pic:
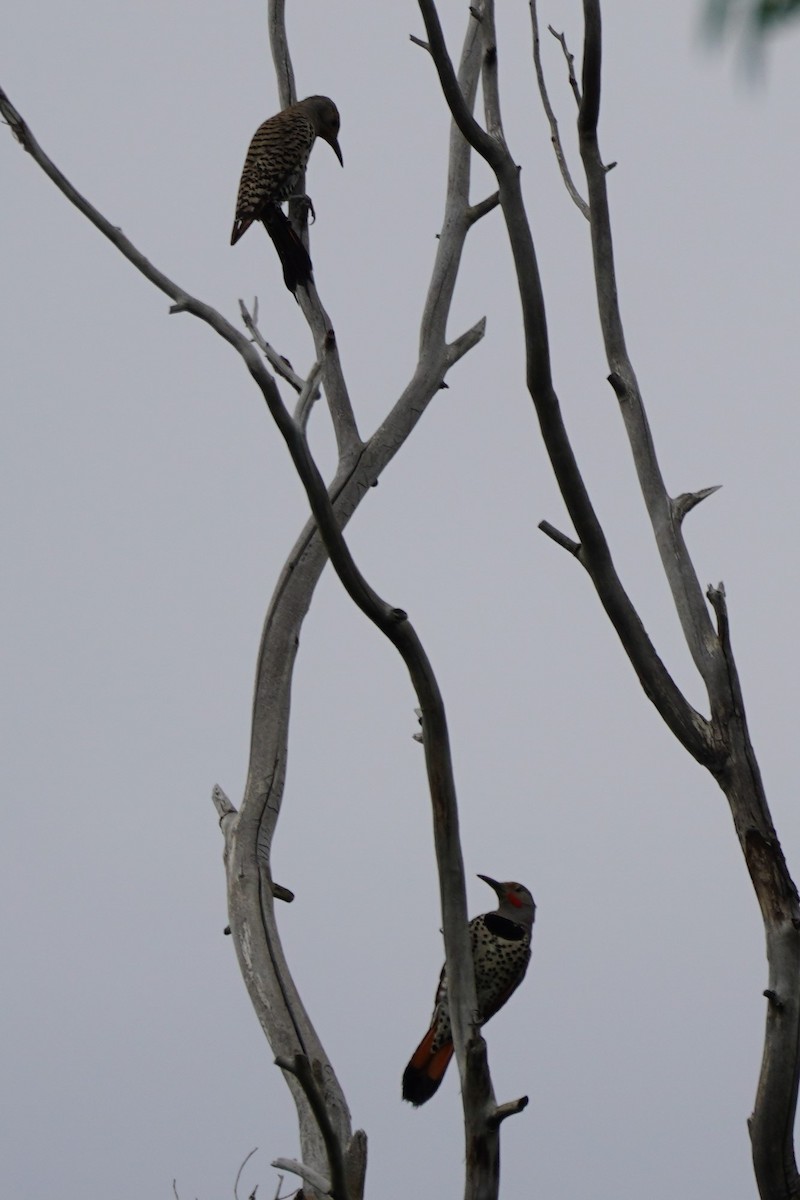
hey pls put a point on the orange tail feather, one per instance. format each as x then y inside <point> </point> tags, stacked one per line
<point>426,1069</point>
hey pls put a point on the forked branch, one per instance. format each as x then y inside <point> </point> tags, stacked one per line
<point>248,833</point>
<point>678,568</point>
<point>688,725</point>
<point>555,135</point>
<point>772,1123</point>
<point>723,743</point>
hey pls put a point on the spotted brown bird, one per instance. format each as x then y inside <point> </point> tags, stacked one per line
<point>501,951</point>
<point>275,160</point>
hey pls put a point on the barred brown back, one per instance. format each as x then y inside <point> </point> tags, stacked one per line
<point>275,161</point>
<point>277,157</point>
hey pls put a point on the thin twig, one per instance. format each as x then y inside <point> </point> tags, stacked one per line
<point>509,1109</point>
<point>280,365</point>
<point>555,136</point>
<point>560,538</point>
<point>573,82</point>
<point>684,503</point>
<point>239,1172</point>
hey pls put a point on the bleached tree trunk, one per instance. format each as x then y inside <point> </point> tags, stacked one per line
<point>334,1157</point>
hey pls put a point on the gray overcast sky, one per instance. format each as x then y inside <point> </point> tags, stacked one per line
<point>148,505</point>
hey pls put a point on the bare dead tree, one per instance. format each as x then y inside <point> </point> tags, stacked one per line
<point>333,1154</point>
<point>720,742</point>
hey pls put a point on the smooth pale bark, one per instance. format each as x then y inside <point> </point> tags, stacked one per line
<point>331,1151</point>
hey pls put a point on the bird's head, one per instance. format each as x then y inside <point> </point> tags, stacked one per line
<point>515,901</point>
<point>325,115</point>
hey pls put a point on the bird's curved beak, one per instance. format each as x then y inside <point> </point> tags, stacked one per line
<point>498,887</point>
<point>334,144</point>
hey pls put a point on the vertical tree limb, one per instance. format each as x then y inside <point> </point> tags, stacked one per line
<point>248,833</point>
<point>681,576</point>
<point>689,726</point>
<point>293,593</point>
<point>723,743</point>
<point>555,135</point>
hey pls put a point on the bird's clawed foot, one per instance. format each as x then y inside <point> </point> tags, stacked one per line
<point>306,208</point>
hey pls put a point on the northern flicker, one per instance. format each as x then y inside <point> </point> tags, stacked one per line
<point>275,160</point>
<point>501,951</point>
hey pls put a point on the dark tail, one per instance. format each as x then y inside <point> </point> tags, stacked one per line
<point>291,251</point>
<point>425,1072</point>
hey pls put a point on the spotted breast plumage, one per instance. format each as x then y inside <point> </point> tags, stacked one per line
<point>501,951</point>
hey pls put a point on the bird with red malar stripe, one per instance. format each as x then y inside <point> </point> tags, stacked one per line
<point>501,951</point>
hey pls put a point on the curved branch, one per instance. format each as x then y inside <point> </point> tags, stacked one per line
<point>280,1010</point>
<point>291,600</point>
<point>510,1109</point>
<point>300,1068</point>
<point>394,624</point>
<point>248,833</point>
<point>689,726</point>
<point>771,1125</point>
<point>245,1161</point>
<point>684,584</point>
<point>457,102</point>
<point>569,58</point>
<point>459,215</point>
<point>348,441</point>
<point>183,301</point>
<point>319,1182</point>
<point>281,58</point>
<point>280,365</point>
<point>724,743</point>
<point>555,136</point>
